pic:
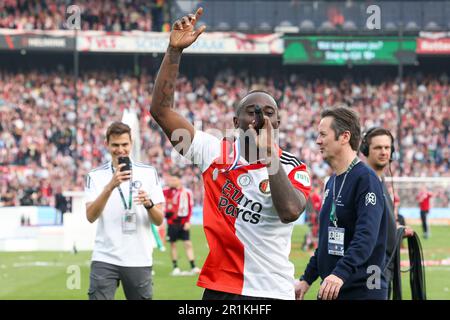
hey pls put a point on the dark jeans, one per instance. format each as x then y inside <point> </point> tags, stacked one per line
<point>423,217</point>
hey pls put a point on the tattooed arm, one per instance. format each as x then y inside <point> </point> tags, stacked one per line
<point>182,36</point>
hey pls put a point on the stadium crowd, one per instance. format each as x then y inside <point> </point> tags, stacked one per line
<point>106,15</point>
<point>40,151</point>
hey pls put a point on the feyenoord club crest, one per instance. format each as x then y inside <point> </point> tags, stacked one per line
<point>264,186</point>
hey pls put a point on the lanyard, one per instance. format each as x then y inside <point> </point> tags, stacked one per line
<point>333,216</point>
<point>234,165</point>
<point>236,155</point>
<point>121,193</point>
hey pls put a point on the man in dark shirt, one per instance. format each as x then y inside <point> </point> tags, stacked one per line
<point>378,147</point>
<point>353,220</point>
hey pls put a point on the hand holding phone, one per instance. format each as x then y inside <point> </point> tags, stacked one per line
<point>122,174</point>
<point>126,161</point>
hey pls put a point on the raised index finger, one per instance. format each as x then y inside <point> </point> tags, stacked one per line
<point>198,13</point>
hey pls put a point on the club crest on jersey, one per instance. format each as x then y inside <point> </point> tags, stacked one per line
<point>264,186</point>
<point>244,180</point>
<point>136,184</point>
<point>303,178</point>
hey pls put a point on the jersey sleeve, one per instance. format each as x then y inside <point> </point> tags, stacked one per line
<point>190,204</point>
<point>300,179</point>
<point>90,192</point>
<point>203,150</point>
<point>156,191</point>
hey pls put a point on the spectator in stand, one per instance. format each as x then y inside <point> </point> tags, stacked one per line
<point>107,15</point>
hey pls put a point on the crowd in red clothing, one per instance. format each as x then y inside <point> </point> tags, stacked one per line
<point>41,151</point>
<point>105,15</point>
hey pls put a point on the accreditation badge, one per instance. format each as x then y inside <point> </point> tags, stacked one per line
<point>336,241</point>
<point>129,222</point>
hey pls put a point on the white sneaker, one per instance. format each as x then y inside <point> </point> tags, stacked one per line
<point>176,272</point>
<point>195,270</point>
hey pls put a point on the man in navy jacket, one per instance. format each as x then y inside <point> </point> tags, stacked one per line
<point>351,255</point>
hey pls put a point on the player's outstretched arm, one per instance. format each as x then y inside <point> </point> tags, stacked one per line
<point>183,34</point>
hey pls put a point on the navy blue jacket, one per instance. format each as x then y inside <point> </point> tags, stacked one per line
<point>361,210</point>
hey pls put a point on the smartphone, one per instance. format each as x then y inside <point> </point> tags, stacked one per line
<point>259,118</point>
<point>127,166</point>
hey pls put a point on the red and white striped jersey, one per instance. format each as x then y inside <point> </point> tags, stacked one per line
<point>179,203</point>
<point>249,245</point>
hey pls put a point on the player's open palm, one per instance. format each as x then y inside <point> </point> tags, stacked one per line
<point>183,32</point>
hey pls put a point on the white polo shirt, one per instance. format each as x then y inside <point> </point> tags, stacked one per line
<point>111,244</point>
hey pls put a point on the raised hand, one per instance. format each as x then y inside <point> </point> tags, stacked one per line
<point>183,32</point>
<point>265,139</point>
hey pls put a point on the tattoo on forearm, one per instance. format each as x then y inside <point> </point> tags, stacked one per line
<point>166,79</point>
<point>174,56</point>
<point>166,94</point>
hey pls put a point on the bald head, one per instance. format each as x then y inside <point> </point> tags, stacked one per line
<point>254,98</point>
<point>245,110</point>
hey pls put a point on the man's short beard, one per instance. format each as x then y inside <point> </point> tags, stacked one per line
<point>380,166</point>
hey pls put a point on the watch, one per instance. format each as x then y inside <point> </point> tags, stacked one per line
<point>149,207</point>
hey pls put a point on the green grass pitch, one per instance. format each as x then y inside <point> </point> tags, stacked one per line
<point>46,275</point>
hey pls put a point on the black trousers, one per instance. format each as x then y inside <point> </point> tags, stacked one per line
<point>423,217</point>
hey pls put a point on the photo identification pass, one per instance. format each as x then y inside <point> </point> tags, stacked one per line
<point>336,241</point>
<point>129,222</point>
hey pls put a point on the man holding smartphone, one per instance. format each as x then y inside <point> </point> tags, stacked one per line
<point>125,197</point>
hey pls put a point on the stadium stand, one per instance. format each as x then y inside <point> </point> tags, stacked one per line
<point>246,16</point>
<point>37,138</point>
<point>122,15</point>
